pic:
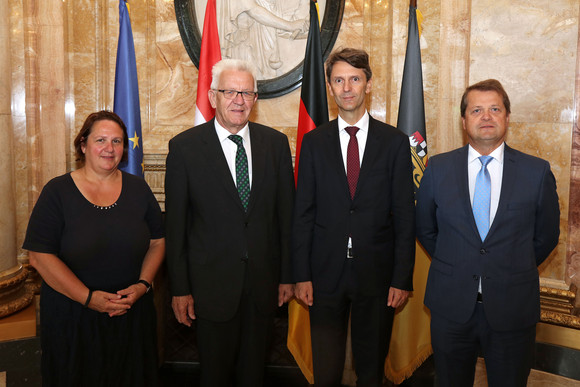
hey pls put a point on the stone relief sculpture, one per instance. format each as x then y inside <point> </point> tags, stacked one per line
<point>251,29</point>
<point>271,34</point>
<point>268,33</point>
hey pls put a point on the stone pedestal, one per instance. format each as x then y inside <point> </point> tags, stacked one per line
<point>14,293</point>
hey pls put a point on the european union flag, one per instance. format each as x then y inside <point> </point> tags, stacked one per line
<point>126,103</point>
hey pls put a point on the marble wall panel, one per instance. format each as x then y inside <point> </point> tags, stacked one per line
<point>175,79</point>
<point>431,61</point>
<point>63,63</point>
<point>18,110</point>
<point>378,31</point>
<point>7,201</point>
<point>453,72</point>
<point>23,207</point>
<point>143,23</point>
<point>42,29</point>
<point>549,141</point>
<point>573,248</point>
<point>531,48</point>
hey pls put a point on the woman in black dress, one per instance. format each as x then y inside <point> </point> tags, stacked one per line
<point>96,238</point>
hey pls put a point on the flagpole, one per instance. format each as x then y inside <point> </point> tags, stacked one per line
<point>413,3</point>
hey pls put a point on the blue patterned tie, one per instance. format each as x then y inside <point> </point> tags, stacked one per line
<point>242,176</point>
<point>482,197</point>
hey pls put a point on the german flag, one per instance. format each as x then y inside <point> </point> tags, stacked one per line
<point>313,104</point>
<point>313,112</point>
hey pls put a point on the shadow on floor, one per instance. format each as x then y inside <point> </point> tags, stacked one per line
<point>188,375</point>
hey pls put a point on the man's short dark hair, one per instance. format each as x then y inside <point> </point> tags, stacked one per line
<point>354,57</point>
<point>487,85</point>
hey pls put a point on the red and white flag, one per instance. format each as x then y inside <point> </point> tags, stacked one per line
<point>209,55</point>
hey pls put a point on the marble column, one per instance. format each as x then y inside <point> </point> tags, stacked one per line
<point>14,295</point>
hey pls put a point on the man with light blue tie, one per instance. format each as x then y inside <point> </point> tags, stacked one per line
<point>488,215</point>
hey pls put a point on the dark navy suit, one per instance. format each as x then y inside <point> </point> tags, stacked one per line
<point>523,233</point>
<point>380,221</point>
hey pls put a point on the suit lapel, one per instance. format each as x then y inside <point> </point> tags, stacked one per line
<point>335,153</point>
<point>371,152</point>
<point>463,186</point>
<point>259,147</point>
<point>214,154</point>
<point>508,182</point>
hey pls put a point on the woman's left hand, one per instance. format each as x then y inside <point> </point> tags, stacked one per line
<point>129,296</point>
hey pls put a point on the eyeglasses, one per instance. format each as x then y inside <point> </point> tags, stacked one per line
<point>232,94</point>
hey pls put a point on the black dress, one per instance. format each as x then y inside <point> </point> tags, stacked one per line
<point>104,247</point>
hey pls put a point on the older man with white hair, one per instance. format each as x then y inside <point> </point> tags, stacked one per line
<point>229,194</point>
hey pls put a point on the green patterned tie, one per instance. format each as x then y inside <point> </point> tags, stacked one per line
<point>242,176</point>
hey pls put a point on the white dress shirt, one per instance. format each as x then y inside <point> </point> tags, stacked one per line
<point>361,136</point>
<point>230,148</point>
<point>495,169</point>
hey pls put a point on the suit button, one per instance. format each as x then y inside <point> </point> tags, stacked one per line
<point>483,251</point>
<point>351,211</point>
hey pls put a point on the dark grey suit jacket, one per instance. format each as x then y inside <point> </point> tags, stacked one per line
<point>380,219</point>
<point>524,232</point>
<point>209,235</point>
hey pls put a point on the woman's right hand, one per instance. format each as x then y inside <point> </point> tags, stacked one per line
<point>102,302</point>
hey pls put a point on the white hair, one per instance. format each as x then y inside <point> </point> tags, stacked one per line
<point>231,64</point>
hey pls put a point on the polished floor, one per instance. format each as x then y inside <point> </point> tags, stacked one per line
<point>423,377</point>
<point>286,377</point>
<point>275,377</point>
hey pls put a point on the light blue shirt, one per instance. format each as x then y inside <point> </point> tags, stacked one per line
<point>495,169</point>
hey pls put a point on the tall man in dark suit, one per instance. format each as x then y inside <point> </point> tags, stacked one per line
<point>229,196</point>
<point>488,215</point>
<point>353,234</point>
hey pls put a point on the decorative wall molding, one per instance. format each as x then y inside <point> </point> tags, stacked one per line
<point>557,306</point>
<point>15,295</point>
<point>155,175</point>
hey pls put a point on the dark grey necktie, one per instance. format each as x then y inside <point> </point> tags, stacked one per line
<point>242,175</point>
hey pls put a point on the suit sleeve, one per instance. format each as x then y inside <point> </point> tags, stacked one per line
<point>176,210</point>
<point>285,203</point>
<point>427,229</point>
<point>304,214</point>
<point>403,210</point>
<point>547,227</point>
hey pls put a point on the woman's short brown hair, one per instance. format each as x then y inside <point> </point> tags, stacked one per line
<point>103,115</point>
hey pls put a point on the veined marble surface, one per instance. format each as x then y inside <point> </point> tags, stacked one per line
<point>62,61</point>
